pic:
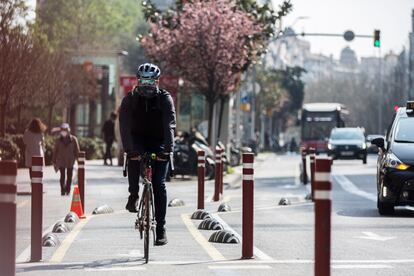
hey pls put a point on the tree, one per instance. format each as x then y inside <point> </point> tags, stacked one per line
<point>209,43</point>
<point>17,54</point>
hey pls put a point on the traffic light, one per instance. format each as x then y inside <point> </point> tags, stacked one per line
<point>377,40</point>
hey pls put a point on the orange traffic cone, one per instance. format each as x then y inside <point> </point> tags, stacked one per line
<point>76,205</point>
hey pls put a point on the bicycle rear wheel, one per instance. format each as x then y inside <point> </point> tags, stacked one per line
<point>147,226</point>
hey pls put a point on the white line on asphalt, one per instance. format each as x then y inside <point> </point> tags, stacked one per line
<point>375,237</point>
<point>350,187</point>
<point>25,255</point>
<point>116,268</point>
<point>211,250</point>
<point>368,266</point>
<point>256,251</point>
<point>231,267</point>
<point>67,242</point>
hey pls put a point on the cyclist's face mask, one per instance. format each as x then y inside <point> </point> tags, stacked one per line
<point>148,88</point>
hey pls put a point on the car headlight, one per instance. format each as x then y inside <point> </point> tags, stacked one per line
<point>392,161</point>
<point>363,146</point>
<point>330,146</point>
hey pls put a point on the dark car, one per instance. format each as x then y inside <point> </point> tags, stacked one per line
<point>395,165</point>
<point>347,143</point>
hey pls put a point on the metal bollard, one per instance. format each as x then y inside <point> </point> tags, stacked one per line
<point>312,170</point>
<point>221,171</point>
<point>201,161</point>
<point>8,193</point>
<point>323,205</point>
<point>248,206</point>
<point>37,209</point>
<point>217,176</point>
<point>304,170</point>
<point>81,177</point>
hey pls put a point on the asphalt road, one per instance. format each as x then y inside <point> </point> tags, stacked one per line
<point>363,243</point>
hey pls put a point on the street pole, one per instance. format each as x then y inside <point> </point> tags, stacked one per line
<point>411,62</point>
<point>381,94</point>
<point>253,107</point>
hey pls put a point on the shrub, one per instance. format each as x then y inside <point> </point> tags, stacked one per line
<point>49,145</point>
<point>18,140</point>
<point>93,147</point>
<point>9,150</point>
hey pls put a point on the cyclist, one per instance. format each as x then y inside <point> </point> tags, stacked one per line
<point>147,124</point>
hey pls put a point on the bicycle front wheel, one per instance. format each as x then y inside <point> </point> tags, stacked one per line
<point>147,227</point>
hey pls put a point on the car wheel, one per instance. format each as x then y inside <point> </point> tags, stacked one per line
<point>364,161</point>
<point>385,209</point>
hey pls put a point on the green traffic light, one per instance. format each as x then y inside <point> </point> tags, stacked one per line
<point>377,43</point>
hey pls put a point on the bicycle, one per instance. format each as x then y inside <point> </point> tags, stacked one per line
<point>145,221</point>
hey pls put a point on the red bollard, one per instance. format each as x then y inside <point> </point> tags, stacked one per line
<point>217,176</point>
<point>248,206</point>
<point>322,197</point>
<point>304,170</point>
<point>221,171</point>
<point>201,161</point>
<point>8,193</point>
<point>37,209</point>
<point>312,170</point>
<point>81,177</point>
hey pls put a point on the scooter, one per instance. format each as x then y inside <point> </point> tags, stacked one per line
<point>185,155</point>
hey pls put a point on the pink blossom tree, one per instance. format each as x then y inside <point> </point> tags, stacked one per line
<point>209,46</point>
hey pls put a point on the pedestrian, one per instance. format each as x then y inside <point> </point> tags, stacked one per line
<point>34,142</point>
<point>108,132</point>
<point>147,124</point>
<point>65,153</point>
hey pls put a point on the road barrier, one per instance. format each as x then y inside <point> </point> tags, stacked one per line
<point>322,197</point>
<point>216,196</point>
<point>37,209</point>
<point>81,177</point>
<point>8,194</point>
<point>312,156</point>
<point>201,166</point>
<point>304,170</point>
<point>248,206</point>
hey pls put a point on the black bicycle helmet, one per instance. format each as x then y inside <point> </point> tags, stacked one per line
<point>148,71</point>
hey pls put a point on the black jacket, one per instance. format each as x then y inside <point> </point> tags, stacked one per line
<point>145,121</point>
<point>108,131</point>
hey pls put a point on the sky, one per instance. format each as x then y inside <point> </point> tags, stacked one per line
<point>392,17</point>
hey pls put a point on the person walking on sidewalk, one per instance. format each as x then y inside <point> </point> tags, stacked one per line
<point>108,131</point>
<point>147,123</point>
<point>34,142</point>
<point>64,155</point>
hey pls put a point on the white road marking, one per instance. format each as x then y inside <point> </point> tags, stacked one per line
<point>231,267</point>
<point>256,251</point>
<point>350,187</point>
<point>132,254</point>
<point>117,268</point>
<point>367,266</point>
<point>375,237</point>
<point>25,255</point>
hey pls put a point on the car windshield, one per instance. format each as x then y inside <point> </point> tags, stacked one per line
<point>347,134</point>
<point>405,131</point>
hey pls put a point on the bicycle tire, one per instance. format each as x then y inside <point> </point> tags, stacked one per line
<point>147,226</point>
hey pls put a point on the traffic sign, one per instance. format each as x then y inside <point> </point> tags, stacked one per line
<point>349,35</point>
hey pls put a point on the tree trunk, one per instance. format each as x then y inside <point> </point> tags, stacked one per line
<point>49,118</point>
<point>92,118</point>
<point>72,118</point>
<point>210,120</point>
<point>3,121</point>
<point>222,102</point>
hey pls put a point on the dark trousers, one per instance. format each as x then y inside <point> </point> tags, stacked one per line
<point>65,187</point>
<point>159,173</point>
<point>108,154</point>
